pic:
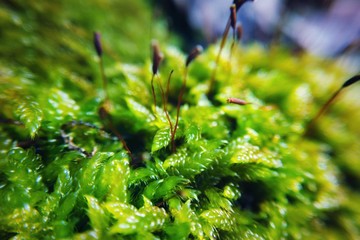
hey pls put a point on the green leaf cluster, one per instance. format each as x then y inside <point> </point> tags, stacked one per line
<point>238,172</point>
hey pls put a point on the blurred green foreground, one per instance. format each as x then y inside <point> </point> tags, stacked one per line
<point>238,172</point>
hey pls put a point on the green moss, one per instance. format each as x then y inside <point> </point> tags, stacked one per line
<point>243,172</point>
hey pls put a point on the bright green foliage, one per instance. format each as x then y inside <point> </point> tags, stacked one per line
<point>98,217</point>
<point>143,221</point>
<point>238,172</point>
<point>161,139</point>
<point>30,114</point>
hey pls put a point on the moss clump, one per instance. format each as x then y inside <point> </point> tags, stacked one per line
<point>243,172</point>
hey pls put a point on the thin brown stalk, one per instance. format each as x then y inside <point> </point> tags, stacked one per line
<point>222,44</point>
<point>153,92</point>
<point>104,79</point>
<point>329,102</point>
<point>105,115</point>
<point>237,34</point>
<point>164,99</point>
<point>310,126</point>
<point>233,19</point>
<point>182,91</point>
<point>230,22</point>
<point>156,59</point>
<point>168,86</point>
<point>121,139</point>
<point>192,55</point>
<point>99,52</point>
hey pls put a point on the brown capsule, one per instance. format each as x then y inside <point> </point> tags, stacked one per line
<point>351,81</point>
<point>239,3</point>
<point>157,56</point>
<point>97,43</point>
<point>233,16</point>
<point>193,54</point>
<point>237,101</point>
<point>239,32</point>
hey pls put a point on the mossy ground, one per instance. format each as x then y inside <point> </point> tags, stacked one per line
<point>238,172</point>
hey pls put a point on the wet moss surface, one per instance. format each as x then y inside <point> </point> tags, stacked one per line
<point>236,172</point>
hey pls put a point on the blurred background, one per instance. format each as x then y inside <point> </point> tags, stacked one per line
<point>327,28</point>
